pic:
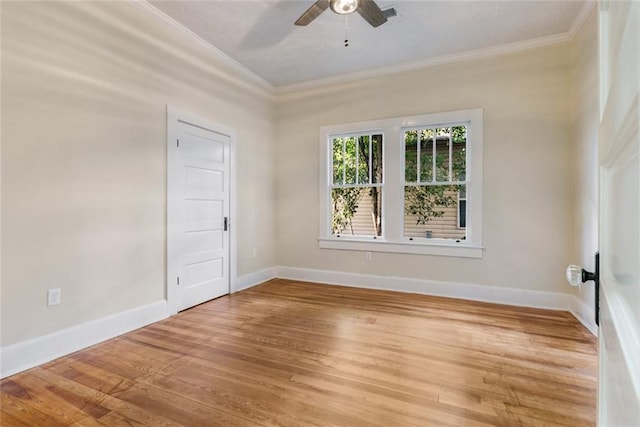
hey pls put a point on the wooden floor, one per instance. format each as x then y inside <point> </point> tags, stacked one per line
<point>292,353</point>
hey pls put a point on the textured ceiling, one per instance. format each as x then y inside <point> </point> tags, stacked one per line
<point>261,36</point>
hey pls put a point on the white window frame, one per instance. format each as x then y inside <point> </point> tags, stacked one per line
<point>392,239</point>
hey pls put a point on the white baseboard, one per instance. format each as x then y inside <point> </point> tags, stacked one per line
<point>28,354</point>
<point>584,314</point>
<point>249,280</point>
<point>469,291</point>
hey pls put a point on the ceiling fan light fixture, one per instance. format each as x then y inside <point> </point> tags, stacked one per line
<point>343,7</point>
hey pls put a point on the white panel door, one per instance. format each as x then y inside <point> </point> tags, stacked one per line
<point>619,140</point>
<point>198,214</point>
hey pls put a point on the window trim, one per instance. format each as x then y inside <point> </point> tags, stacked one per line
<point>392,239</point>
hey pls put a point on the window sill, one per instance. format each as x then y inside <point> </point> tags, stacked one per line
<point>461,250</point>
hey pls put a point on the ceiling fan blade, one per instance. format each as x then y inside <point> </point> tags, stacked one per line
<point>370,11</point>
<point>313,12</point>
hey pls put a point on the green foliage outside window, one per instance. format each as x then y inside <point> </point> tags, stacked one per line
<point>426,202</point>
<point>356,160</point>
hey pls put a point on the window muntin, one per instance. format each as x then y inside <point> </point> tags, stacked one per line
<point>356,187</point>
<point>431,187</point>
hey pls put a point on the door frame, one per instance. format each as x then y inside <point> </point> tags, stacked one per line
<point>174,117</point>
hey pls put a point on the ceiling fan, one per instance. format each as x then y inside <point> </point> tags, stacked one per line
<point>368,9</point>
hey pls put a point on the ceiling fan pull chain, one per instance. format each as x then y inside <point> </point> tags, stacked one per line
<point>346,31</point>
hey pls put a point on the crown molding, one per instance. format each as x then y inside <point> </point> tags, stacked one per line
<point>220,55</point>
<point>567,36</point>
<point>580,20</point>
<point>430,62</point>
<point>272,90</point>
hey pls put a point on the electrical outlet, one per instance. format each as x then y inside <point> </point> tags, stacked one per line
<point>54,297</point>
<point>367,256</point>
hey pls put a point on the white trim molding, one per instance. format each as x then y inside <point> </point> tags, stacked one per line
<point>252,279</point>
<point>468,291</point>
<point>28,354</point>
<point>24,355</point>
<point>580,20</point>
<point>483,53</point>
<point>381,245</point>
<point>273,91</point>
<point>584,314</point>
<point>217,53</point>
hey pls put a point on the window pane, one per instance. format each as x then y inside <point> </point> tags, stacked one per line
<point>356,211</point>
<point>442,154</point>
<point>350,160</point>
<point>431,211</point>
<point>363,159</point>
<point>459,138</point>
<point>338,164</point>
<point>376,159</point>
<point>410,156</point>
<point>426,155</point>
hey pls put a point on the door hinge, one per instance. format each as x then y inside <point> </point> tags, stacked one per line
<point>226,223</point>
<point>177,143</point>
<point>178,280</point>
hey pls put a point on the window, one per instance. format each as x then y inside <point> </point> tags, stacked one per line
<point>408,185</point>
<point>435,173</point>
<point>356,187</point>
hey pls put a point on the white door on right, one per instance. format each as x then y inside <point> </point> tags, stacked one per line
<point>619,145</point>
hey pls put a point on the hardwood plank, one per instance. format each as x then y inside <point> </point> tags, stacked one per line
<point>92,422</point>
<point>245,395</point>
<point>7,420</point>
<point>59,404</point>
<point>138,414</point>
<point>295,353</point>
<point>16,408</point>
<point>91,376</point>
<point>184,410</point>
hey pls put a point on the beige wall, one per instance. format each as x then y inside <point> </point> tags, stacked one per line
<point>84,90</point>
<point>528,212</point>
<point>585,158</point>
